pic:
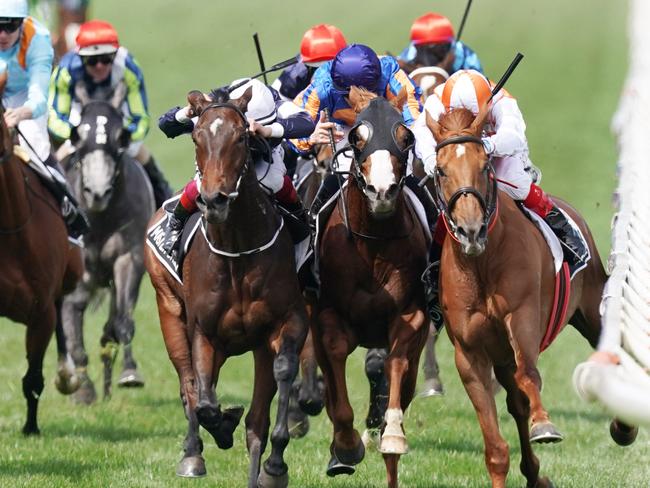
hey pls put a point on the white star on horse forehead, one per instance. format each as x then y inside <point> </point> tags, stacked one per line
<point>460,150</point>
<point>214,126</point>
<point>381,175</point>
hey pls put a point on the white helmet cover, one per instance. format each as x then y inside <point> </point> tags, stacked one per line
<point>262,105</point>
<point>13,9</point>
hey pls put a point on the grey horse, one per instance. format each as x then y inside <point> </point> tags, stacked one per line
<point>116,194</point>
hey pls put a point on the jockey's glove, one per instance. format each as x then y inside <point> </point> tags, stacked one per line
<point>488,145</point>
<point>429,163</point>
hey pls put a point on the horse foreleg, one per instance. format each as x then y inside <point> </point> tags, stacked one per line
<point>475,372</point>
<point>527,377</point>
<point>375,372</point>
<point>109,345</point>
<point>333,345</point>
<point>310,397</point>
<point>432,384</point>
<point>72,312</point>
<point>66,381</point>
<point>127,275</point>
<point>257,419</point>
<point>39,332</point>
<point>285,368</point>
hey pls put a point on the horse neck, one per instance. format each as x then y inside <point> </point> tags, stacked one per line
<point>361,220</point>
<point>251,222</point>
<point>14,205</point>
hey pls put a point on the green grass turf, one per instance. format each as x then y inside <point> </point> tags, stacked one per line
<point>567,87</point>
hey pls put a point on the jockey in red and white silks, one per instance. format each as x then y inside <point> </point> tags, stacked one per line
<point>504,138</point>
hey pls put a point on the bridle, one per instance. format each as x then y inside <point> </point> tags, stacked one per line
<point>488,203</point>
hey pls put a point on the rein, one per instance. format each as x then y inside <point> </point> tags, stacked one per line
<point>488,203</point>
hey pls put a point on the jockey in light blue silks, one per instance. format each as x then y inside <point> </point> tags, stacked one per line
<point>432,40</point>
<point>355,65</point>
<point>26,57</point>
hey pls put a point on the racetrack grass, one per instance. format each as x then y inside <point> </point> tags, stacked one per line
<point>567,87</point>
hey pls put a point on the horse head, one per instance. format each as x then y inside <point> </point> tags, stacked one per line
<point>465,183</point>
<point>428,78</point>
<point>100,141</point>
<point>381,144</point>
<point>223,157</point>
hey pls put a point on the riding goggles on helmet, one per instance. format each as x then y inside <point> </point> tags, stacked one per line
<point>101,58</point>
<point>10,25</point>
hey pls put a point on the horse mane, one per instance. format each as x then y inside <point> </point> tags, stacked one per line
<point>359,98</point>
<point>457,119</point>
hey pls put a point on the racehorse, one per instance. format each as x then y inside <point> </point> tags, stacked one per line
<point>497,286</point>
<point>116,194</point>
<point>38,266</point>
<point>372,252</point>
<point>240,293</point>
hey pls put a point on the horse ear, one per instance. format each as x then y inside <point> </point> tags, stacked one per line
<point>477,126</point>
<point>74,135</point>
<point>433,125</point>
<point>197,101</point>
<point>399,101</point>
<point>119,93</point>
<point>81,93</point>
<point>242,102</point>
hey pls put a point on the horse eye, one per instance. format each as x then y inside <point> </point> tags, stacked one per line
<point>440,171</point>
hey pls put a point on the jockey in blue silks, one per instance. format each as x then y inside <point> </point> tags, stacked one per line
<point>26,58</point>
<point>432,39</point>
<point>355,65</point>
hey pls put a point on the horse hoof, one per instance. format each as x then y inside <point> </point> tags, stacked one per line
<point>623,434</point>
<point>66,381</point>
<point>130,378</point>
<point>393,444</point>
<point>336,467</point>
<point>191,467</point>
<point>311,407</point>
<point>29,430</point>
<point>266,480</point>
<point>86,394</point>
<point>542,483</point>
<point>298,423</point>
<point>350,456</point>
<point>432,387</point>
<point>545,432</point>
<point>371,438</point>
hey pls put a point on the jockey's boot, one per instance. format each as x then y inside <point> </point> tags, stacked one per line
<point>174,228</point>
<point>328,188</point>
<point>161,189</point>
<point>427,202</point>
<point>75,219</point>
<point>431,280</point>
<point>576,252</point>
<point>296,220</point>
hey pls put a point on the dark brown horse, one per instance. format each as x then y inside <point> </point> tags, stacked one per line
<point>240,294</point>
<point>38,266</point>
<point>497,292</point>
<point>372,252</point>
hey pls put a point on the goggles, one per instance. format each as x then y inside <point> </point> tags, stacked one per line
<point>101,58</point>
<point>10,25</point>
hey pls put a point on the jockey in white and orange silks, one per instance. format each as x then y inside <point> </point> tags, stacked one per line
<point>504,141</point>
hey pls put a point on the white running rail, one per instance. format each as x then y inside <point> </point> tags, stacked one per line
<point>624,388</point>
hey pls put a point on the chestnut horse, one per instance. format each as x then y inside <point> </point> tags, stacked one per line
<point>497,293</point>
<point>38,266</point>
<point>370,293</point>
<point>240,293</point>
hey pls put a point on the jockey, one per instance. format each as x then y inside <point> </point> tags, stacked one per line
<point>432,41</point>
<point>355,65</point>
<point>26,56</point>
<point>99,64</point>
<point>269,117</point>
<point>319,45</point>
<point>505,143</point>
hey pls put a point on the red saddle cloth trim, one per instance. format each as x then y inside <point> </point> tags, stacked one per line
<point>560,306</point>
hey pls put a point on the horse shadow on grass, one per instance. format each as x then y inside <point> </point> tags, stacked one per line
<point>96,430</point>
<point>71,470</point>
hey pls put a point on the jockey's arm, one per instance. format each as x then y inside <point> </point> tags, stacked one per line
<point>425,143</point>
<point>60,102</point>
<point>176,121</point>
<point>310,102</point>
<point>397,81</point>
<point>136,97</point>
<point>510,129</point>
<point>39,67</point>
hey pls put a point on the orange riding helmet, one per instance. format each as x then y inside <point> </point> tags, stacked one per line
<point>97,37</point>
<point>321,43</point>
<point>432,28</point>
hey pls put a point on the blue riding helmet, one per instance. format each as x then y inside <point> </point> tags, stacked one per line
<point>356,65</point>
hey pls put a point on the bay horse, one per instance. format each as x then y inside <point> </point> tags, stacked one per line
<point>497,292</point>
<point>370,293</point>
<point>240,293</point>
<point>115,193</point>
<point>38,265</point>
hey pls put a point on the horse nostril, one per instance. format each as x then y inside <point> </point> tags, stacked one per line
<point>392,190</point>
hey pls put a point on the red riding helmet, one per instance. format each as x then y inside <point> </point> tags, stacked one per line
<point>96,37</point>
<point>432,29</point>
<point>321,43</point>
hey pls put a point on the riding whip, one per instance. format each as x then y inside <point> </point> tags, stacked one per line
<point>260,58</point>
<point>338,176</point>
<point>462,22</point>
<point>275,67</point>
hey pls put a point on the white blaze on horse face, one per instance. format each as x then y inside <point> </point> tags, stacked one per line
<point>460,150</point>
<point>214,126</point>
<point>381,175</point>
<point>100,131</point>
<point>98,171</point>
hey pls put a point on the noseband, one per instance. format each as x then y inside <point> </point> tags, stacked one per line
<point>231,196</point>
<point>488,202</point>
